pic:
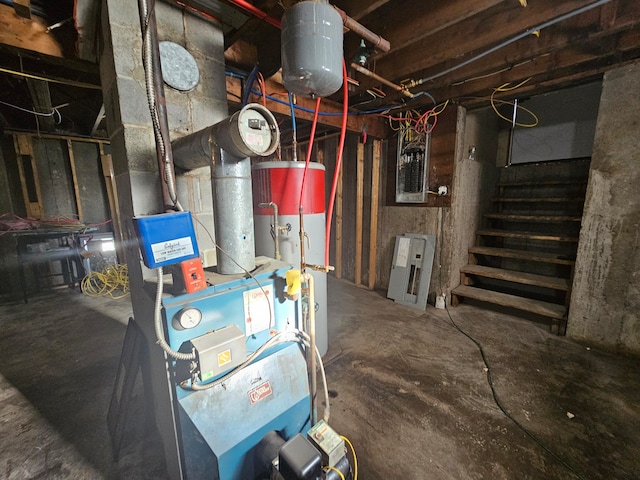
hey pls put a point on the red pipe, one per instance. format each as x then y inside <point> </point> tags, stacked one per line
<point>336,173</point>
<point>253,10</point>
<point>309,149</point>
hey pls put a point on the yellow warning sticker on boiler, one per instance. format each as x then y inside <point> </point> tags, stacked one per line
<point>224,358</point>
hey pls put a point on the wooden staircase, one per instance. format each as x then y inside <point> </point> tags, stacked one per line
<point>525,257</point>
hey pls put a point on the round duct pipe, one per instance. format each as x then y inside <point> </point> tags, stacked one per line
<point>227,146</point>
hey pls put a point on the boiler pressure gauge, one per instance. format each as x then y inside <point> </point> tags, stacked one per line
<point>188,317</point>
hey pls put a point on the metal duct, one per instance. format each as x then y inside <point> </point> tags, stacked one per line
<point>227,146</point>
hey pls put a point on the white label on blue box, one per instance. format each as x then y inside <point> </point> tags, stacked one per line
<point>172,249</point>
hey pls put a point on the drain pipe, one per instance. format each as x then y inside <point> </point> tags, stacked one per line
<point>157,102</point>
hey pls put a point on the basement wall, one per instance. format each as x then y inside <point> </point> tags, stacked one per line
<point>605,306</point>
<point>474,180</point>
<point>474,185</point>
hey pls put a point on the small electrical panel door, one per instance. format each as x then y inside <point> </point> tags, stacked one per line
<point>411,269</point>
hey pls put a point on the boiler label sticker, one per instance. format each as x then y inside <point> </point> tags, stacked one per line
<point>258,309</point>
<point>172,249</point>
<point>260,392</point>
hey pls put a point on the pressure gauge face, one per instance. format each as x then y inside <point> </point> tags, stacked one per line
<point>187,318</point>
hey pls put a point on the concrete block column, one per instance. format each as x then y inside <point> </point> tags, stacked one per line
<point>134,157</point>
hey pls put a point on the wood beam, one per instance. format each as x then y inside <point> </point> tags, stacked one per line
<point>569,64</point>
<point>472,36</point>
<point>359,211</point>
<point>74,177</point>
<point>373,226</point>
<point>511,62</point>
<point>374,125</point>
<point>414,20</point>
<point>358,9</point>
<point>41,99</point>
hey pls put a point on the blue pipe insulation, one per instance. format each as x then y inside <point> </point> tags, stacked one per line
<point>249,85</point>
<point>339,114</point>
<point>293,113</point>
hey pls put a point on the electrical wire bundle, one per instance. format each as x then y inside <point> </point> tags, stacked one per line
<point>112,281</point>
<point>415,122</point>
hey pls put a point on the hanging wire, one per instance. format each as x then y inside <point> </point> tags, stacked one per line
<point>506,88</point>
<point>53,113</point>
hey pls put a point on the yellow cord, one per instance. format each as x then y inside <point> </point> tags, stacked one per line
<point>506,88</point>
<point>355,459</point>
<point>112,281</point>
<point>335,470</point>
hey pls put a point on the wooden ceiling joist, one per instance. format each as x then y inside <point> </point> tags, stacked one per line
<point>472,36</point>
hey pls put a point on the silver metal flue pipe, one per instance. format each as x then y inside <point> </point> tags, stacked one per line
<point>227,147</point>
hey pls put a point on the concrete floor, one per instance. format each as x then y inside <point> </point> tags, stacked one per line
<point>408,389</point>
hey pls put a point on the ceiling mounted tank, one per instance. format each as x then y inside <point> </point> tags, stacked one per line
<point>312,49</point>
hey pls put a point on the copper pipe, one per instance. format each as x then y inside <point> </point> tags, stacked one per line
<point>377,77</point>
<point>359,29</point>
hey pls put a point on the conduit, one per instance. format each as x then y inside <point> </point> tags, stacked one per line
<point>157,101</point>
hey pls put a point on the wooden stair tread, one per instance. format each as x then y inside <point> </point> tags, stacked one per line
<point>543,183</point>
<point>524,278</point>
<point>533,218</point>
<point>539,307</point>
<point>538,199</point>
<point>526,235</point>
<point>521,254</point>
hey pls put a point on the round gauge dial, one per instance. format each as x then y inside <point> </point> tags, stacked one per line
<point>188,318</point>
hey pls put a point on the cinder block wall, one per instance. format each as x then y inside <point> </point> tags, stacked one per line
<point>134,156</point>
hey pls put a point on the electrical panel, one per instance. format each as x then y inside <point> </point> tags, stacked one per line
<point>412,169</point>
<point>411,269</point>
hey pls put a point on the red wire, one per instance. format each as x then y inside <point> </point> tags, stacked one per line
<point>336,173</point>
<point>309,149</point>
<point>263,88</point>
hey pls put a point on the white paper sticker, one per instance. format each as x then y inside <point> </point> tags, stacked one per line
<point>172,249</point>
<point>402,258</point>
<point>254,139</point>
<point>258,309</point>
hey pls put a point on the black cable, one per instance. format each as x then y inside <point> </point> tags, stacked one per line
<point>503,409</point>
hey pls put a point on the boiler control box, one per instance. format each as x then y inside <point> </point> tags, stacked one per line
<point>329,443</point>
<point>166,238</point>
<point>219,351</point>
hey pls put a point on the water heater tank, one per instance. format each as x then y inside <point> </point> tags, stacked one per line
<point>312,49</point>
<point>280,183</point>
